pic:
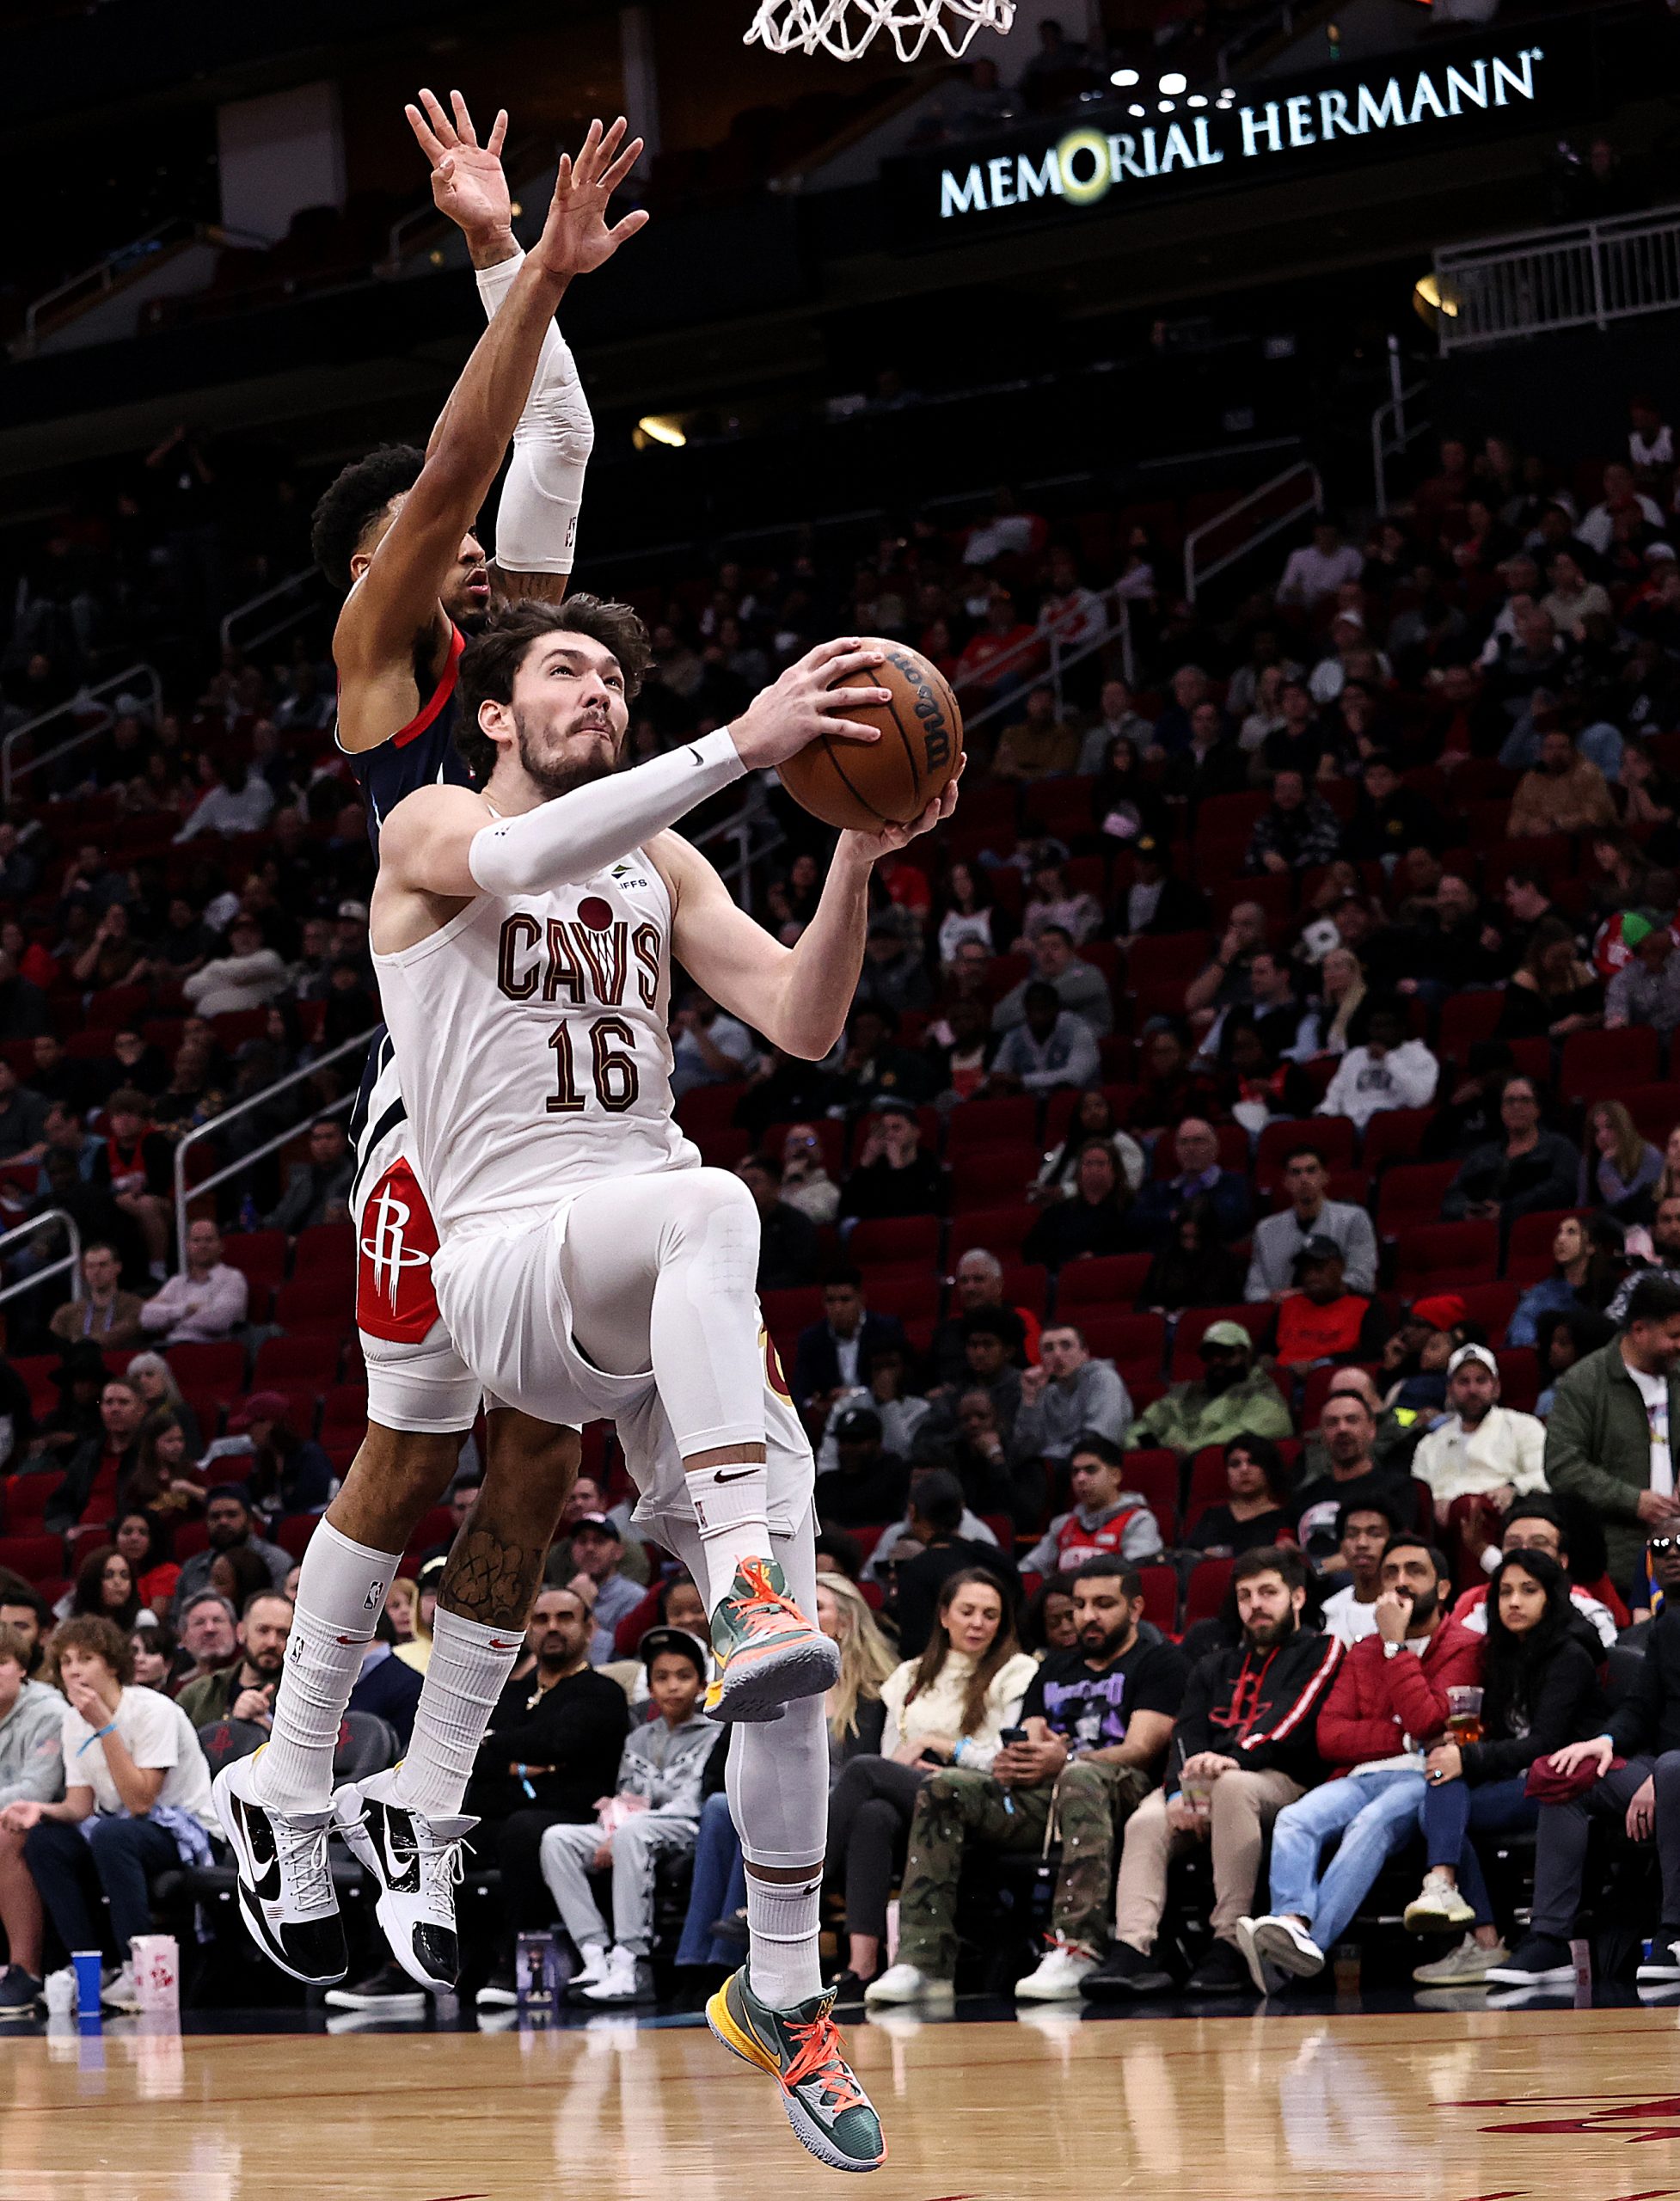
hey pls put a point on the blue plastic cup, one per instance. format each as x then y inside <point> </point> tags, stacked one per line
<point>88,1983</point>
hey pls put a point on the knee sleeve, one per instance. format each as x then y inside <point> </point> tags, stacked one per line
<point>704,1333</point>
<point>778,1786</point>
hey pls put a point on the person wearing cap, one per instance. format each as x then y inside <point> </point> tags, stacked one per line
<point>598,1552</point>
<point>1321,1319</point>
<point>229,1526</point>
<point>653,1815</point>
<point>286,1472</point>
<point>206,1300</point>
<point>870,1483</point>
<point>1157,900</point>
<point>1646,989</point>
<point>892,1175</point>
<point>1484,1456</point>
<point>1231,1397</point>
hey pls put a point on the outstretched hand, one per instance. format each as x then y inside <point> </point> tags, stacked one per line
<point>891,838</point>
<point>576,237</point>
<point>468,182</point>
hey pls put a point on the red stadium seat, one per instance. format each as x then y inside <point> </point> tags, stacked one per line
<point>33,1557</point>
<point>293,1532</point>
<point>787,1313</point>
<point>1528,1254</point>
<point>1007,1120</point>
<point>1208,1486</point>
<point>1130,1341</point>
<point>1441,1256</point>
<point>308,1360</point>
<point>983,1176</point>
<point>896,1242</point>
<point>1026,1284</point>
<point>1655,1110</point>
<point>36,1371</point>
<point>325,1249</point>
<point>1161,1597</point>
<point>1155,1476</point>
<point>1333,1136</point>
<point>27,1499</point>
<point>1466,1018</point>
<point>1412,1193</point>
<point>709,1108</point>
<point>322,1302</point>
<point>912,1298</point>
<point>1489,1306</point>
<point>1520,1378</point>
<point>219,1368</point>
<point>1602,1065</point>
<point>344,1413</point>
<point>1205,1592</point>
<point>1000,1230</point>
<point>1108,1281</point>
<point>1393,1135</point>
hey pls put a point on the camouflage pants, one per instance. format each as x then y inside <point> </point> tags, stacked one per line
<point>1091,1803</point>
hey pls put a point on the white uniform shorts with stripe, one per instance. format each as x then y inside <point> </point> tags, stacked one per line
<point>505,1300</point>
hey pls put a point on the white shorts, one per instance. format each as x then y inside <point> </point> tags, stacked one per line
<point>416,1380</point>
<point>504,1300</point>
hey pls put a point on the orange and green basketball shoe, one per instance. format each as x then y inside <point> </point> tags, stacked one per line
<point>801,2048</point>
<point>767,1652</point>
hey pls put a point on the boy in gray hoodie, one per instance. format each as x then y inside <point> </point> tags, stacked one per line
<point>654,1813</point>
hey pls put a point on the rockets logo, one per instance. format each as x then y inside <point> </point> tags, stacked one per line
<point>394,1299</point>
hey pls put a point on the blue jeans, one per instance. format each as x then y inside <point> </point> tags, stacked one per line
<point>719,1887</point>
<point>1452,1808</point>
<point>1375,1816</point>
<point>116,1854</point>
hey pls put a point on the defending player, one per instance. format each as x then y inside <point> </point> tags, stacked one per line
<point>590,1265</point>
<point>397,530</point>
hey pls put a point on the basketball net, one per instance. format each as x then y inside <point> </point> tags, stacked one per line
<point>846,27</point>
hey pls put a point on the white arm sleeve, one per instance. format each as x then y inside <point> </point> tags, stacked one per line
<point>536,522</point>
<point>568,840</point>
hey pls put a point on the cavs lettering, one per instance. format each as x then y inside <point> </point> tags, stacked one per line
<point>394,1299</point>
<point>578,962</point>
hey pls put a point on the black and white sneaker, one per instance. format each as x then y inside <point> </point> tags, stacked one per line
<point>286,1896</point>
<point>20,1992</point>
<point>1124,1974</point>
<point>388,1993</point>
<point>1539,1961</point>
<point>416,1863</point>
<point>1662,1967</point>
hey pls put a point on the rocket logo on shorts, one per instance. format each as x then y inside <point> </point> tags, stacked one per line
<point>395,1298</point>
<point>772,1374</point>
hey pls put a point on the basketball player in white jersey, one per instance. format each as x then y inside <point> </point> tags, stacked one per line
<point>397,531</point>
<point>523,932</point>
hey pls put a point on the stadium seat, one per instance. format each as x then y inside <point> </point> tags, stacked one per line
<point>1393,1135</point>
<point>322,1302</point>
<point>1207,1483</point>
<point>1333,1136</point>
<point>1441,1256</point>
<point>217,1368</point>
<point>902,1292</point>
<point>1161,1597</point>
<point>1655,1110</point>
<point>293,1531</point>
<point>1130,1341</point>
<point>1528,1254</point>
<point>1154,1475</point>
<point>1007,1120</point>
<point>1466,1018</point>
<point>982,1175</point>
<point>1106,1281</point>
<point>1520,1378</point>
<point>1205,1592</point>
<point>344,1413</point>
<point>325,1249</point>
<point>307,1360</point>
<point>999,1230</point>
<point>260,1257</point>
<point>1489,1306</point>
<point>1602,1065</point>
<point>1411,1193</point>
<point>33,1557</point>
<point>27,1499</point>
<point>1026,1284</point>
<point>896,1242</point>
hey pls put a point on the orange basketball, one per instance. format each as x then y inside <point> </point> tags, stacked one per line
<point>889,782</point>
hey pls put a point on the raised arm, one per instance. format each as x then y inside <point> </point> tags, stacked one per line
<point>397,599</point>
<point>536,520</point>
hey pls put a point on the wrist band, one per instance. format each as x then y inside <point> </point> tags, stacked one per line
<point>98,1735</point>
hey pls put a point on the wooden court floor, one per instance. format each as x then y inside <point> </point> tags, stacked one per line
<point>1486,2106</point>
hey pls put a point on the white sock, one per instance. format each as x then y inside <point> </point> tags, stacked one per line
<point>730,1503</point>
<point>469,1666</point>
<point>340,1594</point>
<point>784,1965</point>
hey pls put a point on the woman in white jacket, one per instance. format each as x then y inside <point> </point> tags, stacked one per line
<point>948,1707</point>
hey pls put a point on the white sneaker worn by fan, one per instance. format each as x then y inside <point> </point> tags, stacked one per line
<point>906,1982</point>
<point>1058,1977</point>
<point>1438,1907</point>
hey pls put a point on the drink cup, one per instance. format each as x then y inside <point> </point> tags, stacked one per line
<point>1199,1794</point>
<point>157,1971</point>
<point>1464,1714</point>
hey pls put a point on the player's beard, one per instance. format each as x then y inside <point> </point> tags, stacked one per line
<point>558,776</point>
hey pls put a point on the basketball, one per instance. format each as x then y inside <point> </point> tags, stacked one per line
<point>866,786</point>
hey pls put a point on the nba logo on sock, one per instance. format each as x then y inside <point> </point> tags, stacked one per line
<point>370,1603</point>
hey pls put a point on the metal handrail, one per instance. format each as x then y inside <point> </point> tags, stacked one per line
<point>146,675</point>
<point>71,1260</point>
<point>1572,275</point>
<point>740,828</point>
<point>302,580</point>
<point>1062,660</point>
<point>1385,446</point>
<point>231,1169</point>
<point>1315,502</point>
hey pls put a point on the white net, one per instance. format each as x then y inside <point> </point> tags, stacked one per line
<point>846,27</point>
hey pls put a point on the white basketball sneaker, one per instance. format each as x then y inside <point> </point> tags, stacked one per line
<point>286,1896</point>
<point>416,1863</point>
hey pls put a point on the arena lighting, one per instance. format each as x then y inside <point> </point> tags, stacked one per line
<point>658,428</point>
<point>1124,78</point>
<point>1428,303</point>
<point>1173,82</point>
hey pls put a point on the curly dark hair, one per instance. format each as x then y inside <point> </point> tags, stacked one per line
<point>495,654</point>
<point>350,504</point>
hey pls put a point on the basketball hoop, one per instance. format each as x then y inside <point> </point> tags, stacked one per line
<point>845,27</point>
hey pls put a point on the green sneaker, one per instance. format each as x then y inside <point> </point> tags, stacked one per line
<point>767,1652</point>
<point>826,2106</point>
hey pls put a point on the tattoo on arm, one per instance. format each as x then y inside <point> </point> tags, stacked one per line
<point>490,1581</point>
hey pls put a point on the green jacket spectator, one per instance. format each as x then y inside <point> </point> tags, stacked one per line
<point>1609,1437</point>
<point>1231,1399</point>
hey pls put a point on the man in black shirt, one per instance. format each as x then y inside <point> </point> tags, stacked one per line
<point>552,1750</point>
<point>1098,1720</point>
<point>1244,1746</point>
<point>870,1483</point>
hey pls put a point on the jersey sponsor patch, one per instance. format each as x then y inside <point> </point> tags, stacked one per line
<point>394,1297</point>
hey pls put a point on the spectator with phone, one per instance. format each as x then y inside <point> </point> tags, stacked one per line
<point>1539,1689</point>
<point>1097,1720</point>
<point>951,1706</point>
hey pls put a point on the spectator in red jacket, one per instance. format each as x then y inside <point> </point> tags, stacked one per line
<point>1388,1703</point>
